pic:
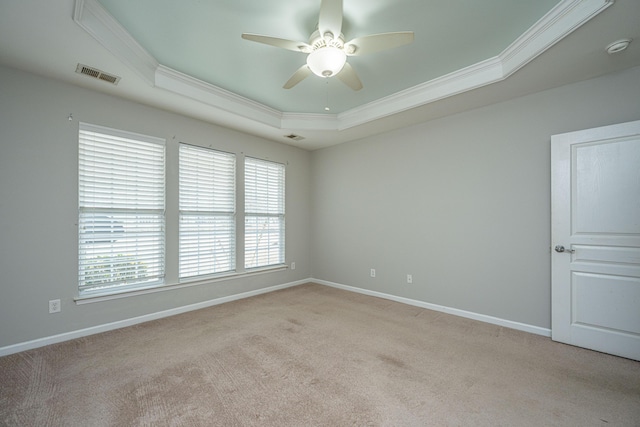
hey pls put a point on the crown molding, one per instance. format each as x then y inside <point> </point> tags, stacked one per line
<point>308,121</point>
<point>559,22</point>
<point>562,20</point>
<point>185,85</point>
<point>98,22</point>
<point>466,79</point>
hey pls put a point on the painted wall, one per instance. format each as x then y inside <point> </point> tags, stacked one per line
<point>38,204</point>
<point>460,203</point>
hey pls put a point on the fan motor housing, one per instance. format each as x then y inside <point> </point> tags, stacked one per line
<point>317,41</point>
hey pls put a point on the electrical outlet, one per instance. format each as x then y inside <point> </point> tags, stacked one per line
<point>409,278</point>
<point>54,306</point>
<point>373,272</point>
<point>293,265</point>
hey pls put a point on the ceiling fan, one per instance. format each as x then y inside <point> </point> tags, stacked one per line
<point>327,51</point>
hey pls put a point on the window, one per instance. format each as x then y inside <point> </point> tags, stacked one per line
<point>264,213</point>
<point>121,210</point>
<point>127,242</point>
<point>207,211</point>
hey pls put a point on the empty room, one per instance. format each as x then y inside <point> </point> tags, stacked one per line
<point>320,213</point>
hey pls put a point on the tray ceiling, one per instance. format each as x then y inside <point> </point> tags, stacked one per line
<point>190,57</point>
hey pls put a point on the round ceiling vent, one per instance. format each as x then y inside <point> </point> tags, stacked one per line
<point>618,46</point>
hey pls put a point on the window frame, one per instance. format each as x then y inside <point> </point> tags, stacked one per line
<point>211,209</point>
<point>128,217</point>
<point>269,207</point>
<point>170,259</point>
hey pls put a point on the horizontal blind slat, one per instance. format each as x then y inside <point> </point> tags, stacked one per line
<point>207,211</point>
<point>264,213</point>
<point>121,203</point>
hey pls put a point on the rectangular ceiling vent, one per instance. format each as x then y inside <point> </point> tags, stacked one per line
<point>97,74</point>
<point>294,137</point>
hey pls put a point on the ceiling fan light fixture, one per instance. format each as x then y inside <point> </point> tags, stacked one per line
<point>326,61</point>
<point>326,49</point>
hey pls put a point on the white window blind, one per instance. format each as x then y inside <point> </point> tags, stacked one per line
<point>207,211</point>
<point>264,213</point>
<point>121,210</point>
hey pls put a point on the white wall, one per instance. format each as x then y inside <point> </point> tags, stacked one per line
<point>461,203</point>
<point>38,204</point>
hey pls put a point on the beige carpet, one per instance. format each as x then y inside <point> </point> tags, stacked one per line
<point>317,356</point>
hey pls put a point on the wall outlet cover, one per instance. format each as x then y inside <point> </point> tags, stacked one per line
<point>54,306</point>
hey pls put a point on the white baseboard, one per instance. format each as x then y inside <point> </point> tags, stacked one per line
<point>41,342</point>
<point>462,313</point>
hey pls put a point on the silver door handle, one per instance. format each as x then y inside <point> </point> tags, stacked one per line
<point>561,249</point>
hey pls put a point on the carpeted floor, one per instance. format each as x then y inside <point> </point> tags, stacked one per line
<point>317,356</point>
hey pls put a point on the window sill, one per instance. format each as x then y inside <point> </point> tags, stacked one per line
<point>104,296</point>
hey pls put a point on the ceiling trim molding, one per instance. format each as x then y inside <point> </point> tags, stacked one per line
<point>305,121</point>
<point>563,19</point>
<point>559,22</point>
<point>98,22</point>
<point>466,79</point>
<point>185,85</point>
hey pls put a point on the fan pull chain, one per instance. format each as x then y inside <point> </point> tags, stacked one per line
<point>326,105</point>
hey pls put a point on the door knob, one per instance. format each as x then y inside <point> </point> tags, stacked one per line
<point>561,249</point>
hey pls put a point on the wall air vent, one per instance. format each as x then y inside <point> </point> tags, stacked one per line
<point>97,74</point>
<point>294,137</point>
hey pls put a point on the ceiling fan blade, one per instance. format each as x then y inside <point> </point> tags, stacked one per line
<point>302,73</point>
<point>349,77</point>
<point>330,19</point>
<point>282,43</point>
<point>377,42</point>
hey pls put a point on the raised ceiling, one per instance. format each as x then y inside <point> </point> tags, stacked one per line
<point>202,40</point>
<point>188,56</point>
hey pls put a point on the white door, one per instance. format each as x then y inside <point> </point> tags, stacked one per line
<point>595,178</point>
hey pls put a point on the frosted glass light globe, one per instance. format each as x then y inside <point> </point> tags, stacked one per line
<point>326,61</point>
